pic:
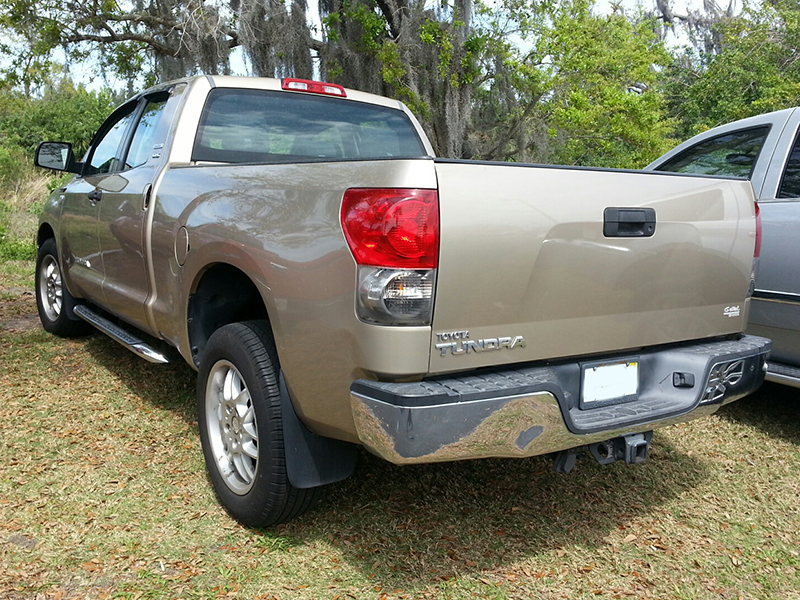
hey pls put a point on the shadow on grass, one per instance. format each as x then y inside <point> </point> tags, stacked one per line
<point>415,525</point>
<point>412,526</point>
<point>774,409</point>
<point>170,386</point>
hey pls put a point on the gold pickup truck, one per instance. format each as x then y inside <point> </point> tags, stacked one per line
<point>336,285</point>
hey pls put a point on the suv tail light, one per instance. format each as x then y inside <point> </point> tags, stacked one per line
<point>756,254</point>
<point>394,237</point>
<point>757,250</point>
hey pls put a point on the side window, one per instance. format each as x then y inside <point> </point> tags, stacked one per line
<point>790,184</point>
<point>105,154</point>
<point>730,155</point>
<point>147,132</point>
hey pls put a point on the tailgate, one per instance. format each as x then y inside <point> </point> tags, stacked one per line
<point>526,272</point>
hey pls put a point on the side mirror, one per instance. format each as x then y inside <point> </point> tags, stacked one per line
<point>57,156</point>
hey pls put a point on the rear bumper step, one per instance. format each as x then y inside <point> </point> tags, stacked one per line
<point>117,333</point>
<point>532,409</point>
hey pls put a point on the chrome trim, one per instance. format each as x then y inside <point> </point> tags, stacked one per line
<point>510,427</point>
<point>722,376</point>
<point>789,298</point>
<point>783,379</point>
<point>517,414</point>
<point>119,335</point>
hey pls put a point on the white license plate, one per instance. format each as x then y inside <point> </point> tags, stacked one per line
<point>610,382</point>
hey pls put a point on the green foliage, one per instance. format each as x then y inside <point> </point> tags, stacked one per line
<point>373,25</point>
<point>754,71</point>
<point>64,113</point>
<point>605,100</point>
<point>16,249</point>
<point>16,244</point>
<point>585,92</point>
<point>10,160</point>
<point>542,80</point>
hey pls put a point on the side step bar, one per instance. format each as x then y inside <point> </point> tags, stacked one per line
<point>785,374</point>
<point>130,341</point>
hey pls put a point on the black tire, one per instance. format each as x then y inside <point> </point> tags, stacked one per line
<point>255,490</point>
<point>53,300</point>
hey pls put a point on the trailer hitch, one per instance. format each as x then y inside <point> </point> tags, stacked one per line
<point>632,448</point>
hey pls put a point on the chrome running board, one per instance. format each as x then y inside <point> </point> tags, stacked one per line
<point>784,374</point>
<point>130,341</point>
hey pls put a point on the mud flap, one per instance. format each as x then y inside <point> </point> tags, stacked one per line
<point>312,460</point>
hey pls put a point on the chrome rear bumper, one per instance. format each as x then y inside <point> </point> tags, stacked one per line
<point>534,409</point>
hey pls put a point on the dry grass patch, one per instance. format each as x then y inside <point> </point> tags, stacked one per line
<point>20,204</point>
<point>103,495</point>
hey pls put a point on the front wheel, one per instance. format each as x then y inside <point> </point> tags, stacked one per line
<point>241,431</point>
<point>53,300</point>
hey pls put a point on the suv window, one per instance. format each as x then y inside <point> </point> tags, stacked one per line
<point>105,153</point>
<point>278,127</point>
<point>790,184</point>
<point>144,138</point>
<point>731,155</point>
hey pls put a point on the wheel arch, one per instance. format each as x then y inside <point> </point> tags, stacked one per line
<point>44,233</point>
<point>221,294</point>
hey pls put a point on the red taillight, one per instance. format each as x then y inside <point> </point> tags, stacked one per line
<point>313,87</point>
<point>395,228</point>
<point>757,250</point>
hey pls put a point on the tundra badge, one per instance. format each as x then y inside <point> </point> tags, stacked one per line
<point>465,345</point>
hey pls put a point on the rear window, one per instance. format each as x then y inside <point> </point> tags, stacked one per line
<point>731,155</point>
<point>240,126</point>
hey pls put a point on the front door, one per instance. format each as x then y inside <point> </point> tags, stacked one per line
<point>123,214</point>
<point>81,201</point>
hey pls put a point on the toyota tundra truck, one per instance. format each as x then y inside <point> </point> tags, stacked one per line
<point>335,285</point>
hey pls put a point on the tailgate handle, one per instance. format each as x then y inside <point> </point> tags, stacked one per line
<point>629,222</point>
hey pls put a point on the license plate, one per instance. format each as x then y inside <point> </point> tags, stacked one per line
<point>613,381</point>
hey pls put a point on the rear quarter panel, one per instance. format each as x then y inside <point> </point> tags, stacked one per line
<point>280,225</point>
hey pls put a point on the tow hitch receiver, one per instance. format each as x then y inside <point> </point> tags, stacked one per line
<point>632,448</point>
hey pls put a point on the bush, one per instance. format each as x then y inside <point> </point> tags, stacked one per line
<point>24,191</point>
<point>64,113</point>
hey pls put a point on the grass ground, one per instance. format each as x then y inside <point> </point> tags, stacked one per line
<point>103,495</point>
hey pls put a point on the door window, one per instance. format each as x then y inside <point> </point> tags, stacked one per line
<point>147,133</point>
<point>790,184</point>
<point>729,155</point>
<point>105,154</point>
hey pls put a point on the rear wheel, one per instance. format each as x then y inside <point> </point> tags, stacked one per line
<point>53,300</point>
<point>241,431</point>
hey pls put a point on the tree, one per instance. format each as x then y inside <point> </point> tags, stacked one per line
<point>398,47</point>
<point>586,93</point>
<point>512,80</point>
<point>753,70</point>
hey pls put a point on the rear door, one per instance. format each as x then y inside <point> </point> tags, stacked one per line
<point>529,270</point>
